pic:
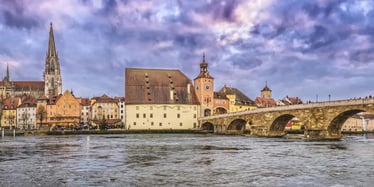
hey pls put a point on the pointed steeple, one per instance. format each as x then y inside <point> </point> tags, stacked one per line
<point>52,74</point>
<point>7,77</point>
<point>51,52</point>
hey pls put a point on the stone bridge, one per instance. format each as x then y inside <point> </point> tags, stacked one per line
<point>322,120</point>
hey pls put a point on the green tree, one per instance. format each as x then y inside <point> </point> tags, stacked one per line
<point>103,124</point>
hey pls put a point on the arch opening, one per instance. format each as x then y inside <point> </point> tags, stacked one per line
<point>237,125</point>
<point>219,110</point>
<point>207,127</point>
<point>337,123</point>
<point>207,112</point>
<point>279,124</point>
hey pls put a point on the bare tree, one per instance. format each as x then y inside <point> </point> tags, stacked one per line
<point>41,114</point>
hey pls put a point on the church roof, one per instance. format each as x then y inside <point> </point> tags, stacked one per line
<point>266,88</point>
<point>27,85</point>
<point>158,86</point>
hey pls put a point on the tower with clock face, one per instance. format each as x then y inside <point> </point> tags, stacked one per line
<point>204,89</point>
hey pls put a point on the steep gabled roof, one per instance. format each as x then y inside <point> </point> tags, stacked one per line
<point>240,97</point>
<point>158,86</point>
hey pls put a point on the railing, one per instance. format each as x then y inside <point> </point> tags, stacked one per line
<point>296,107</point>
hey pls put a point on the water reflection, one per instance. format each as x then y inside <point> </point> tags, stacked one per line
<point>184,160</point>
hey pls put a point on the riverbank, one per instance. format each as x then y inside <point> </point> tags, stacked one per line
<point>111,131</point>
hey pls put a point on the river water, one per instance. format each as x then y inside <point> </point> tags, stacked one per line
<point>184,160</point>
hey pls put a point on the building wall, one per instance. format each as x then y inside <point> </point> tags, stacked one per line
<point>104,110</point>
<point>9,118</point>
<point>220,104</point>
<point>352,124</point>
<point>237,108</point>
<point>26,117</point>
<point>121,112</point>
<point>158,116</point>
<point>66,111</point>
<point>86,114</point>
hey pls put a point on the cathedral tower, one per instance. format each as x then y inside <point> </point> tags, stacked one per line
<point>52,73</point>
<point>204,89</point>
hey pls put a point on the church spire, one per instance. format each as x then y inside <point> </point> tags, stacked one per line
<point>7,72</point>
<point>51,52</point>
<point>52,74</point>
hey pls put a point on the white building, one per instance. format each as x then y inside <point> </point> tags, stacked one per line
<point>160,99</point>
<point>26,114</point>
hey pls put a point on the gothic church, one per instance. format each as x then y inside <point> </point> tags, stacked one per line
<point>51,85</point>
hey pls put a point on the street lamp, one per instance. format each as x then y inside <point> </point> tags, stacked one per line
<point>329,97</point>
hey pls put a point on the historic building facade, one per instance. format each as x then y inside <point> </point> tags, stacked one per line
<point>160,99</point>
<point>9,112</point>
<point>204,88</point>
<point>266,99</point>
<point>26,113</point>
<point>237,100</point>
<point>63,110</point>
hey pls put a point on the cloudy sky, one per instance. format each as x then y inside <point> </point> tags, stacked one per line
<point>300,47</point>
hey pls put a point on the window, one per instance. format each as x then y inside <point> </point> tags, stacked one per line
<point>151,115</point>
<point>194,125</point>
<point>178,107</point>
<point>180,124</point>
<point>194,115</point>
<point>151,107</point>
<point>164,107</point>
<point>164,115</point>
<point>152,123</point>
<point>144,115</point>
<point>160,124</point>
<point>137,115</point>
<point>137,107</point>
<point>134,123</point>
<point>178,115</point>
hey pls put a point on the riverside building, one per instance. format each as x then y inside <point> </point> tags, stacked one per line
<point>160,99</point>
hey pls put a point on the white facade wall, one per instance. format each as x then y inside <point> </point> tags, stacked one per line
<point>26,118</point>
<point>86,114</point>
<point>121,112</point>
<point>158,116</point>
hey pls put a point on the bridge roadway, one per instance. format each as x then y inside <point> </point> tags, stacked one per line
<point>321,120</point>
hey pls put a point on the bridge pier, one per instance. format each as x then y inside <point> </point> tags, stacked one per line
<point>321,135</point>
<point>263,131</point>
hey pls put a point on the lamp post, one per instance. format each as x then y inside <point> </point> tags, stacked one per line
<point>329,97</point>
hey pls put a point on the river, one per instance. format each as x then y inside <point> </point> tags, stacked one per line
<point>184,160</point>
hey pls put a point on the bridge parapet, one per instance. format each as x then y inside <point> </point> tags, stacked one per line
<point>295,107</point>
<point>321,120</point>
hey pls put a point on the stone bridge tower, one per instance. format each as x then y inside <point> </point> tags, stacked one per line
<point>204,89</point>
<point>52,73</point>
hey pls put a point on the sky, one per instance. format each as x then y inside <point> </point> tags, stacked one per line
<point>300,48</point>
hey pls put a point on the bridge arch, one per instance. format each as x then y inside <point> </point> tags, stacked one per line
<point>279,124</point>
<point>207,126</point>
<point>337,123</point>
<point>237,125</point>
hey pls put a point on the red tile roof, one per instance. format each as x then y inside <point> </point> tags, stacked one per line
<point>265,102</point>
